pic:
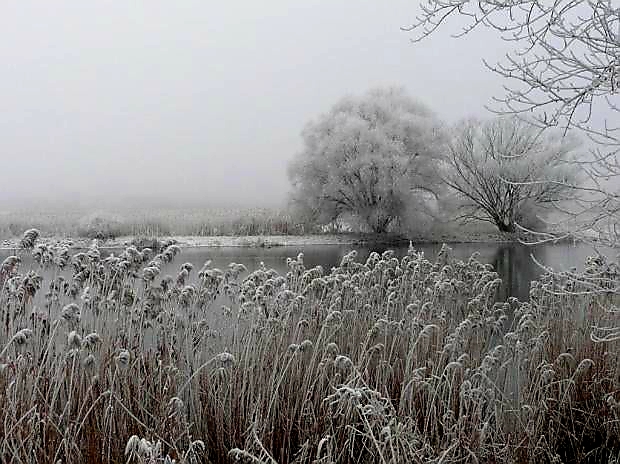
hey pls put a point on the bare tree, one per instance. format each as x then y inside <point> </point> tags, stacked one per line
<point>369,157</point>
<point>508,173</point>
<point>564,71</point>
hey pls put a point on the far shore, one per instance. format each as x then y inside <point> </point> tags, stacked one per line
<point>269,241</point>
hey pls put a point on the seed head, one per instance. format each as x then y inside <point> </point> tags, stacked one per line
<point>175,406</point>
<point>293,348</point>
<point>9,265</point>
<point>29,238</point>
<point>149,273</point>
<point>302,325</point>
<point>71,313</point>
<point>225,359</point>
<point>584,366</point>
<point>333,318</point>
<point>145,447</point>
<point>132,445</point>
<point>306,346</point>
<point>123,358</point>
<point>89,362</point>
<point>22,337</point>
<point>187,266</point>
<point>91,340</point>
<point>343,363</point>
<point>74,340</point>
<point>332,349</point>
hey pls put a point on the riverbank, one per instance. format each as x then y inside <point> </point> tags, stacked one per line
<point>219,227</point>
<point>269,241</point>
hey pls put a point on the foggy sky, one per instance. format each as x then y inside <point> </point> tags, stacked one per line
<point>202,102</point>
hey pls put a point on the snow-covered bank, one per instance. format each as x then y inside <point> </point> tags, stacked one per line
<point>268,241</point>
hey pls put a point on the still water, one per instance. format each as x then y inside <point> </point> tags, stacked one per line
<point>512,261</point>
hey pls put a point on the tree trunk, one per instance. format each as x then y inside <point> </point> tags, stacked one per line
<point>379,229</point>
<point>381,226</point>
<point>503,227</point>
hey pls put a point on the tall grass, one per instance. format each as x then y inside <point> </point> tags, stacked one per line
<point>388,361</point>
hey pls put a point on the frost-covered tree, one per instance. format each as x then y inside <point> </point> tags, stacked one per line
<point>564,71</point>
<point>371,157</point>
<point>507,172</point>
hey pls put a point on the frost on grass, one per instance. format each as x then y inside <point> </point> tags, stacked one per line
<point>384,360</point>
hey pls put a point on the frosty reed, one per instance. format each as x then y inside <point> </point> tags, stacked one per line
<point>105,359</point>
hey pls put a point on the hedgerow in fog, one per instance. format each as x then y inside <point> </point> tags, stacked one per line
<point>508,173</point>
<point>370,156</point>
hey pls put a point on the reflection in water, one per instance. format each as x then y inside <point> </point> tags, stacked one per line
<point>516,268</point>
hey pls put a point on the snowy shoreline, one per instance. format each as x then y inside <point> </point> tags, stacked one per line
<point>269,241</point>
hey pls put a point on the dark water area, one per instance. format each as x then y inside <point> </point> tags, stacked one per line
<point>512,261</point>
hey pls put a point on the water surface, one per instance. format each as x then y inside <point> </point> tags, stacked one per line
<point>512,261</point>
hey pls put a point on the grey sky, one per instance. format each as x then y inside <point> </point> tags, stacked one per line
<point>203,101</point>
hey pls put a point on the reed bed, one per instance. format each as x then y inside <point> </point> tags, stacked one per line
<point>382,361</point>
